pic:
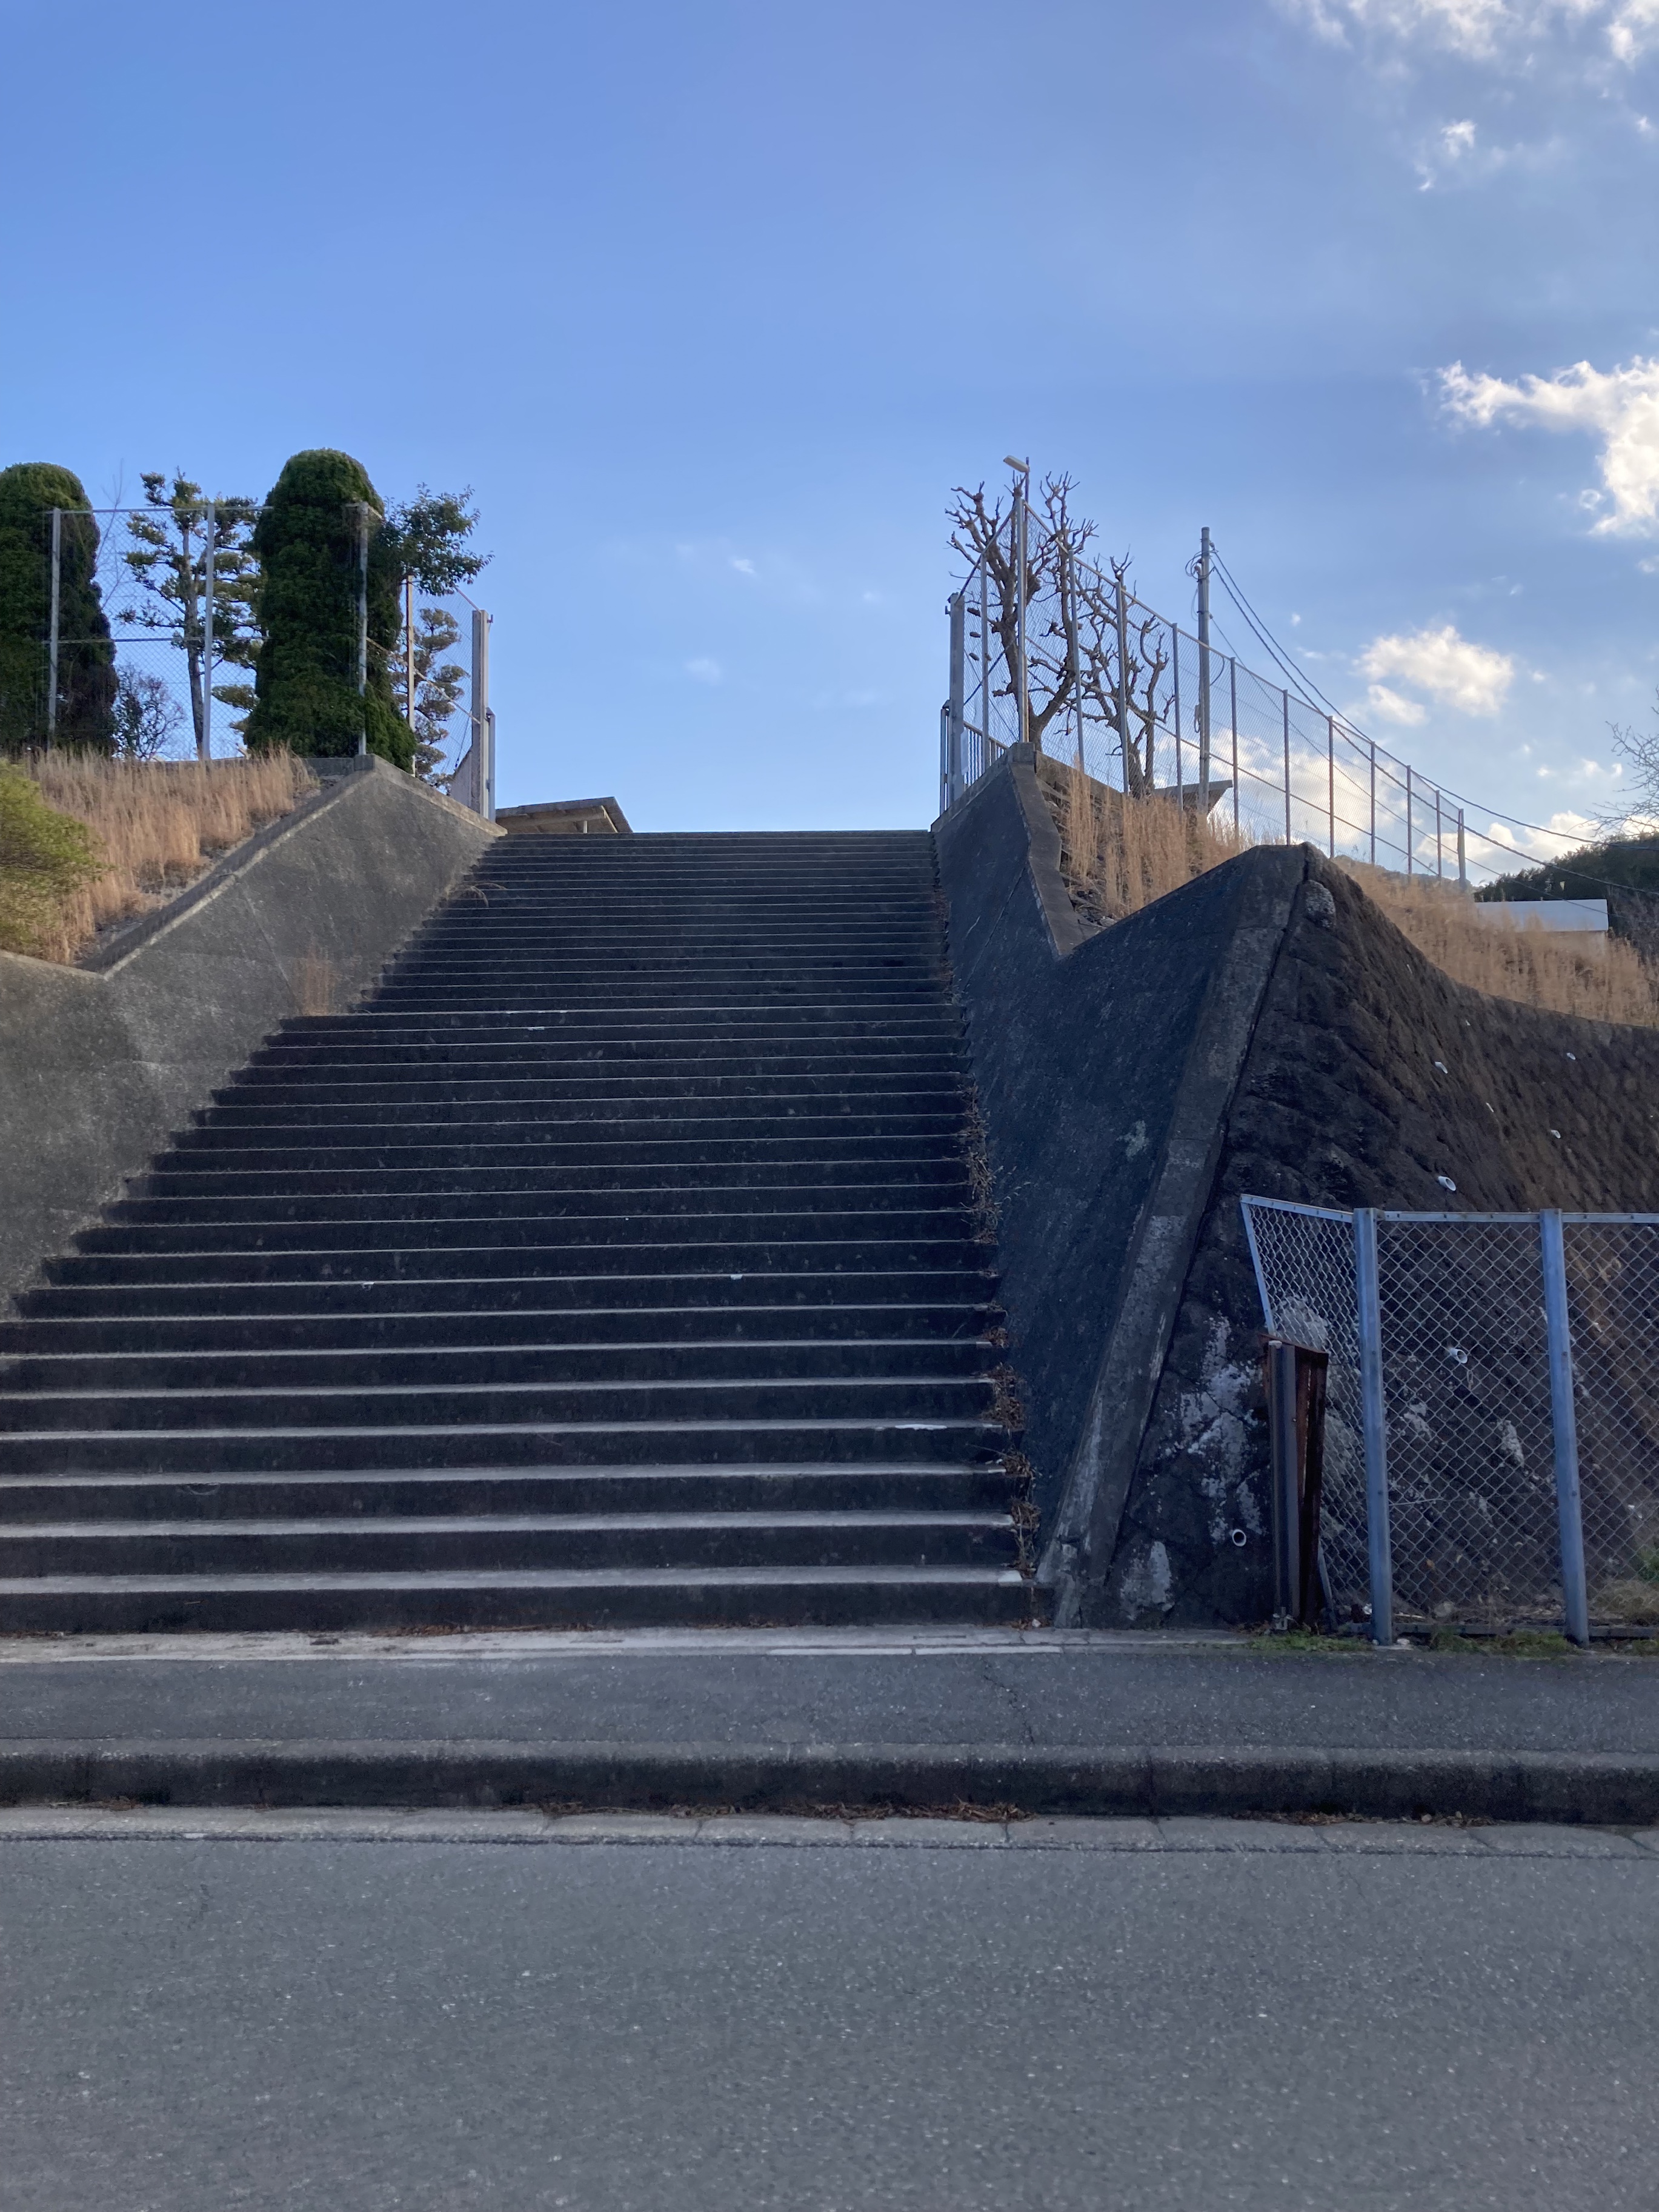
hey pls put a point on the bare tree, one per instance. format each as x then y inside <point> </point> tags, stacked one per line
<point>1640,747</point>
<point>1076,645</point>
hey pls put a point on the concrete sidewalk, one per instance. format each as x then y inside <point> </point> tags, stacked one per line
<point>1042,1721</point>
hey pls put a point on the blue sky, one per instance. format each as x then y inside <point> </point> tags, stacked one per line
<point>712,306</point>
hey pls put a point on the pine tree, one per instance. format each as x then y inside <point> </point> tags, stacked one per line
<point>167,582</point>
<point>29,490</point>
<point>308,546</point>
<point>438,687</point>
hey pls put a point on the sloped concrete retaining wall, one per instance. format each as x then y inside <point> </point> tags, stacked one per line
<point>99,1065</point>
<point>1105,1068</point>
<point>1265,1029</point>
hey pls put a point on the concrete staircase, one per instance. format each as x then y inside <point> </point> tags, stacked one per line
<point>615,1262</point>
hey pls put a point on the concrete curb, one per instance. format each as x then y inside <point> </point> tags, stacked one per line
<point>1609,1789</point>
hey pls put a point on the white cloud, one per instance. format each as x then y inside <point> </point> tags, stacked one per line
<point>1480,30</point>
<point>1620,405</point>
<point>1456,140</point>
<point>1472,678</point>
<point>744,568</point>
<point>1392,707</point>
<point>704,669</point>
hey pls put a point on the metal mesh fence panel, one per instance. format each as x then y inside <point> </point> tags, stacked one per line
<point>1304,1268</point>
<point>1613,1290</point>
<point>1134,701</point>
<point>1466,1401</point>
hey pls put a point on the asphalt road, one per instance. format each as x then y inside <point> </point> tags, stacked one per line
<point>352,2026</point>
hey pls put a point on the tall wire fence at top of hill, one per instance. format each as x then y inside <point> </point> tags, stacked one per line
<point>176,587</point>
<point>1049,649</point>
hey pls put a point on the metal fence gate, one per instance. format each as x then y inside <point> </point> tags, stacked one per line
<point>1491,1449</point>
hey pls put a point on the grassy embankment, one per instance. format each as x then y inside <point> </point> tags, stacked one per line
<point>1120,854</point>
<point>86,842</point>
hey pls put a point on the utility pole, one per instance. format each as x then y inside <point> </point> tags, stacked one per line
<point>52,634</point>
<point>408,649</point>
<point>1204,673</point>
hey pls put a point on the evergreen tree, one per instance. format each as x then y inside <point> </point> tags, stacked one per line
<point>438,686</point>
<point>29,490</point>
<point>307,544</point>
<point>167,582</point>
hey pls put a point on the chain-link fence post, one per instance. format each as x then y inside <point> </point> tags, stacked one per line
<point>53,621</point>
<point>205,749</point>
<point>1373,1426</point>
<point>955,708</point>
<point>1564,1424</point>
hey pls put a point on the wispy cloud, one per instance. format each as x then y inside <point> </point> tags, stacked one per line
<point>705,669</point>
<point>1491,31</point>
<point>1618,405</point>
<point>1472,678</point>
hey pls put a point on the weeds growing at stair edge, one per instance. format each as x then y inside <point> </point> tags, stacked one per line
<point>156,826</point>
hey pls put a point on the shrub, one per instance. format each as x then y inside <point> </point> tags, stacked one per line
<point>45,859</point>
<point>86,659</point>
<point>305,695</point>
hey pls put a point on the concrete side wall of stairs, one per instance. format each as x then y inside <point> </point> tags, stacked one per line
<point>1105,1068</point>
<point>98,1067</point>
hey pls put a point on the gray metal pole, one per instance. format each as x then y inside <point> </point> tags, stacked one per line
<point>1373,804</point>
<point>1408,817</point>
<point>1564,1419</point>
<point>1285,698</point>
<point>957,607</point>
<point>362,620</point>
<point>1462,863</point>
<point>1330,780</point>
<point>1439,837</point>
<point>1121,611</point>
<point>483,780</point>
<point>204,749</point>
<point>52,634</point>
<point>1368,1305</point>
<point>1203,671</point>
<point>1175,664</point>
<point>984,666</point>
<point>1232,714</point>
<point>1074,663</point>
<point>408,649</point>
<point>1021,572</point>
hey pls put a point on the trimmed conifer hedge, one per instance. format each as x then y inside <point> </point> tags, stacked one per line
<point>86,659</point>
<point>305,683</point>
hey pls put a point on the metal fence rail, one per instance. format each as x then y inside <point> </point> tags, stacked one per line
<point>1046,648</point>
<point>1492,1432</point>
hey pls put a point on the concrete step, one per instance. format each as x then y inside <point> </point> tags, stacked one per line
<point>918,1486</point>
<point>596,1598</point>
<point>207,1335</point>
<point>696,1359</point>
<point>487,1293</point>
<point>501,1540</point>
<point>211,1453</point>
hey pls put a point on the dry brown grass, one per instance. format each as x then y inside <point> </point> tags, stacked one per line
<point>1600,979</point>
<point>158,825</point>
<point>1119,855</point>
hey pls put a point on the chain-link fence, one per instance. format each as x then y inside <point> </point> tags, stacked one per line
<point>1492,1433</point>
<point>150,633</point>
<point>1046,649</point>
